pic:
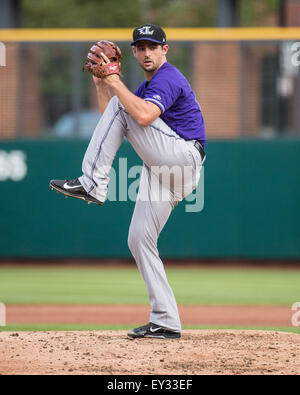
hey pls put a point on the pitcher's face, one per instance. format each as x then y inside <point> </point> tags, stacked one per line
<point>150,55</point>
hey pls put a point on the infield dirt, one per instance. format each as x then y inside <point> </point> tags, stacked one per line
<point>111,352</point>
<point>272,316</point>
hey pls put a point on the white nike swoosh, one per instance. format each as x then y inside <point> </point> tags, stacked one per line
<point>155,329</point>
<point>66,186</point>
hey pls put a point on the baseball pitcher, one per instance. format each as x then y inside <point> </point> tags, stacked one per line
<point>163,122</point>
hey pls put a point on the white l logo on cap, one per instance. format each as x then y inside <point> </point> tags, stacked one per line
<point>146,30</point>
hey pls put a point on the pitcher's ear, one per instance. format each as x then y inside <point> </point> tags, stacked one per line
<point>165,49</point>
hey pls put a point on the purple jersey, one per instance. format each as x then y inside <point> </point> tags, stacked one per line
<point>172,93</point>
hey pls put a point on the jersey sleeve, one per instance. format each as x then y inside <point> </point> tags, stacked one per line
<point>139,91</point>
<point>161,92</point>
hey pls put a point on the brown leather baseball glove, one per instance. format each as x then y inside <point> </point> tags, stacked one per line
<point>95,63</point>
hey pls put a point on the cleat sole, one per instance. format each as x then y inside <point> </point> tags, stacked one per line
<point>58,190</point>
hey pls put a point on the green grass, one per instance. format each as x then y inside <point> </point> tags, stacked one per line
<point>86,327</point>
<point>103,285</point>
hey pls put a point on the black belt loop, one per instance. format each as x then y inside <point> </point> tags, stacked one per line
<point>199,147</point>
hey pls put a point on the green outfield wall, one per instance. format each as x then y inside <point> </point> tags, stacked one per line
<point>251,203</point>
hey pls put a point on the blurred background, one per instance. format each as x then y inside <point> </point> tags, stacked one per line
<point>246,88</point>
<point>249,91</point>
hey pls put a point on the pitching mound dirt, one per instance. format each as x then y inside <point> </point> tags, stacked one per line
<point>111,352</point>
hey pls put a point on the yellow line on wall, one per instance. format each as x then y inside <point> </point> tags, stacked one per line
<point>233,34</point>
<point>173,34</point>
<point>64,35</point>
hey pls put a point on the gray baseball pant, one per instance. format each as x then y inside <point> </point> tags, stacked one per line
<point>160,149</point>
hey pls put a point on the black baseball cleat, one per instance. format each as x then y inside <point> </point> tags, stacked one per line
<point>74,189</point>
<point>153,331</point>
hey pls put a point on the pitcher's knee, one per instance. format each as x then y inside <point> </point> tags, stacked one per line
<point>133,240</point>
<point>136,240</point>
<point>114,101</point>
